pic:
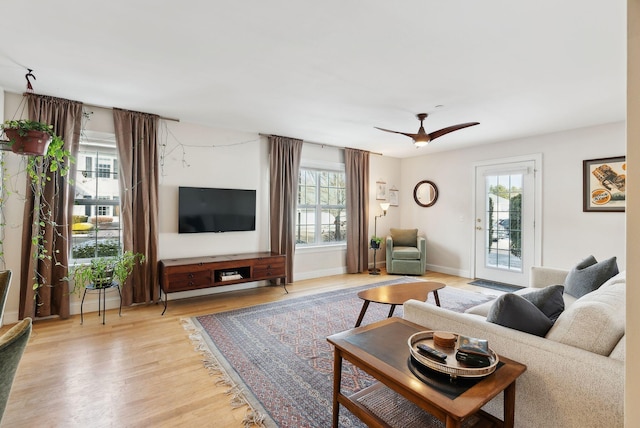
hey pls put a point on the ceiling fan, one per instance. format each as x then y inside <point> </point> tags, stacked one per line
<point>421,139</point>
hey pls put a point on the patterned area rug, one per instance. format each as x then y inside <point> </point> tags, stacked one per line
<point>276,359</point>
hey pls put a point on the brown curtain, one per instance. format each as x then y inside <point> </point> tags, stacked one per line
<point>136,138</point>
<point>357,175</point>
<point>56,199</point>
<point>285,168</point>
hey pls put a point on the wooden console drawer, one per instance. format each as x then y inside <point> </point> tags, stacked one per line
<point>272,267</point>
<point>269,273</point>
<point>270,262</point>
<point>188,280</point>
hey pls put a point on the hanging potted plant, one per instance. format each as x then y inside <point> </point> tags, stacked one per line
<point>57,159</point>
<point>27,137</point>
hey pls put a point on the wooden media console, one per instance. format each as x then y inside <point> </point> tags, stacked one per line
<point>212,271</point>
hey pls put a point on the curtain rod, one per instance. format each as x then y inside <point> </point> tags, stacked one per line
<point>111,108</point>
<point>105,107</point>
<point>317,144</point>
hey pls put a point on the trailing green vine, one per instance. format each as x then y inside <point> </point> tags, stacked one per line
<point>58,159</point>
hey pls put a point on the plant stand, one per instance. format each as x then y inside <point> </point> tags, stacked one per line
<point>374,270</point>
<point>102,299</point>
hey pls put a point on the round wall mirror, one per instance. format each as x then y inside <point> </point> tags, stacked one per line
<point>425,193</point>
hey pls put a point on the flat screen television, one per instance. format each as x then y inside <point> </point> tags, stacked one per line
<point>204,209</point>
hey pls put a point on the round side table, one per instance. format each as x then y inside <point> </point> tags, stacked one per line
<point>397,294</point>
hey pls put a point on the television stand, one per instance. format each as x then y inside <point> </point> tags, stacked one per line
<point>213,271</point>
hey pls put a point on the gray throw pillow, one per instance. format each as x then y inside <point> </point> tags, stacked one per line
<point>549,300</point>
<point>589,275</point>
<point>514,311</point>
<point>404,237</point>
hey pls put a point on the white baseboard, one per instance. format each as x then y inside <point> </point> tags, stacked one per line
<point>319,273</point>
<point>449,271</point>
<point>113,301</point>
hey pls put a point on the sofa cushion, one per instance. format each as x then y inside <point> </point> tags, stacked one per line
<point>549,300</point>
<point>483,308</point>
<point>595,322</point>
<point>619,351</point>
<point>588,275</point>
<point>406,253</point>
<point>404,237</point>
<point>516,312</point>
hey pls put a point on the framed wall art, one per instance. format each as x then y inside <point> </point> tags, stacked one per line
<point>604,183</point>
<point>393,197</point>
<point>381,190</point>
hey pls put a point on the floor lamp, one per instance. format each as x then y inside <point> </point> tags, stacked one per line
<point>385,207</point>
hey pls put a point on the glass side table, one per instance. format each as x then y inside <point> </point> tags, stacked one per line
<point>102,299</point>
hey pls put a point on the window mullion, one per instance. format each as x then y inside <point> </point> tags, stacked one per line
<point>318,222</point>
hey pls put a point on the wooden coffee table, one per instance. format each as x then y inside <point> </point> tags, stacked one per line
<point>397,294</point>
<point>381,350</point>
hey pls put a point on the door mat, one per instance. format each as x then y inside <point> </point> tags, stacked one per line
<point>500,286</point>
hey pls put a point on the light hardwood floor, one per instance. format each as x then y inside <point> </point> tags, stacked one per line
<point>141,370</point>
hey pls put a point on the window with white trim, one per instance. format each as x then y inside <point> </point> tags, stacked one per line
<point>321,216</point>
<point>96,227</point>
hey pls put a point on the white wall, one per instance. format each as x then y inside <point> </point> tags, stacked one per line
<point>206,157</point>
<point>385,169</point>
<point>568,234</point>
<point>195,155</point>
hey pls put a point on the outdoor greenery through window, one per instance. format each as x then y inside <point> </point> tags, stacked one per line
<point>96,228</point>
<point>321,216</point>
<point>505,221</point>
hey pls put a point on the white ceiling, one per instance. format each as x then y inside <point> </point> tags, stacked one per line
<point>329,71</point>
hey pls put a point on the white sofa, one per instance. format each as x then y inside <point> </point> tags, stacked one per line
<point>564,385</point>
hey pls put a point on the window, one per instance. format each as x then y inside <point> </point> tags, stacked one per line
<point>88,170</point>
<point>321,215</point>
<point>104,170</point>
<point>103,210</point>
<point>96,228</point>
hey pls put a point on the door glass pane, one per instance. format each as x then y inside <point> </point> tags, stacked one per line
<point>503,247</point>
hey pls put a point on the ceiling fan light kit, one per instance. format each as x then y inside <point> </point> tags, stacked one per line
<point>422,138</point>
<point>420,142</point>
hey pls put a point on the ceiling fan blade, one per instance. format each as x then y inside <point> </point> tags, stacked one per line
<point>443,131</point>
<point>398,132</point>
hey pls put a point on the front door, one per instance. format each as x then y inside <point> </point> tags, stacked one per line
<point>505,221</point>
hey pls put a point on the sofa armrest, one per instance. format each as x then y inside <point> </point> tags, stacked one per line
<point>563,385</point>
<point>540,277</point>
<point>422,246</point>
<point>388,252</point>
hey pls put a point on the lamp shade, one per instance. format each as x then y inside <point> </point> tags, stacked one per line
<point>421,141</point>
<point>384,206</point>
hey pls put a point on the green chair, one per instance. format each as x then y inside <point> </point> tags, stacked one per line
<point>406,252</point>
<point>5,281</point>
<point>12,345</point>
